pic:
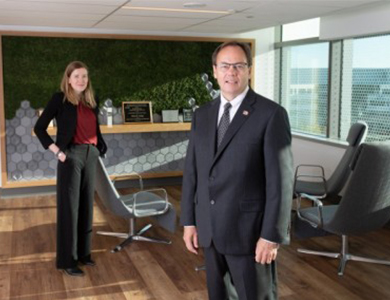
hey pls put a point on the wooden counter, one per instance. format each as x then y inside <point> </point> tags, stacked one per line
<point>134,128</point>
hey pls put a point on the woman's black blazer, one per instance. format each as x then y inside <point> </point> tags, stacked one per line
<point>65,114</point>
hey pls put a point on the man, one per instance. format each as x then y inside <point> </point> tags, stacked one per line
<point>237,184</point>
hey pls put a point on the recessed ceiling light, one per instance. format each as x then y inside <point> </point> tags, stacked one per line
<point>221,12</point>
<point>194,4</point>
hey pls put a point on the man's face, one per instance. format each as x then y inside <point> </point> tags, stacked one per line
<point>232,80</point>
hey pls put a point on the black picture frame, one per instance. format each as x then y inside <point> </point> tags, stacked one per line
<point>137,112</point>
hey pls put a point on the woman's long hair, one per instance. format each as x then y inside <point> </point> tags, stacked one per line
<point>86,97</point>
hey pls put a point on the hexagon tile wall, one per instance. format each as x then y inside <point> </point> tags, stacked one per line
<point>131,152</point>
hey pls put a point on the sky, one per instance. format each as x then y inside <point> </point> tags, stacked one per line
<point>373,52</point>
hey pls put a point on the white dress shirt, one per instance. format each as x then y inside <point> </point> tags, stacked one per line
<point>236,102</point>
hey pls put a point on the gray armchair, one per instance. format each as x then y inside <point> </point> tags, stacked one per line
<point>364,207</point>
<point>145,203</point>
<point>317,185</point>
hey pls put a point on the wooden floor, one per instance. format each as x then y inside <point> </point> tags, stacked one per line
<point>164,272</point>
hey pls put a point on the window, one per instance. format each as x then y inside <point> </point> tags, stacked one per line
<point>301,30</point>
<point>325,101</point>
<point>304,90</point>
<point>366,86</point>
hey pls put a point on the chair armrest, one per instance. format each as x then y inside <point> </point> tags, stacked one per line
<point>310,166</point>
<point>150,202</point>
<point>312,176</point>
<point>317,202</point>
<point>129,176</point>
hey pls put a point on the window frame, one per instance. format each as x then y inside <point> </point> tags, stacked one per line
<point>333,104</point>
<point>336,132</point>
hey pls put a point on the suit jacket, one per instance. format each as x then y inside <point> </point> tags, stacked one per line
<point>65,114</point>
<point>243,190</point>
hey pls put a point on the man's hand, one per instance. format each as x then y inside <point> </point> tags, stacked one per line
<point>266,251</point>
<point>190,237</point>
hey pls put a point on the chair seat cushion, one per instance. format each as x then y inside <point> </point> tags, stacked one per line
<point>311,214</point>
<point>303,229</point>
<point>310,187</point>
<point>145,204</point>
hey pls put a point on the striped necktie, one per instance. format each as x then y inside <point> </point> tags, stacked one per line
<point>224,123</point>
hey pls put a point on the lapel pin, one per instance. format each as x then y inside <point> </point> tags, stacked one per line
<point>245,112</point>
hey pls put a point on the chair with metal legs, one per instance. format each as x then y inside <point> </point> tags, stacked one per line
<point>364,207</point>
<point>318,185</point>
<point>145,203</point>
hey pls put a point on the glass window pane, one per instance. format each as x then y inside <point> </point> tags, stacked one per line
<point>301,30</point>
<point>305,87</point>
<point>366,86</point>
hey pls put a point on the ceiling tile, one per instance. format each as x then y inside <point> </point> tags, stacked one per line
<point>142,19</point>
<point>141,26</point>
<point>45,22</point>
<point>108,14</point>
<point>55,7</point>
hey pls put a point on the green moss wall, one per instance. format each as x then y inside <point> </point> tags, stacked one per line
<point>164,72</point>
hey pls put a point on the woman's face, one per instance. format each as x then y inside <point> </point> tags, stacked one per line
<point>78,80</point>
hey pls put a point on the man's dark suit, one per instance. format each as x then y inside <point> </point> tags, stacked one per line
<point>242,191</point>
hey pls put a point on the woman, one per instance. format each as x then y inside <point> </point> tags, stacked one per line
<point>78,145</point>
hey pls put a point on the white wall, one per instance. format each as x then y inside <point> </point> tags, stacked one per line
<point>363,20</point>
<point>312,152</point>
<point>264,61</point>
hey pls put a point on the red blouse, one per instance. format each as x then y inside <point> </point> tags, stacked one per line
<point>86,126</point>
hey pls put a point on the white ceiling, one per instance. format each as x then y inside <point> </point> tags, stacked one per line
<point>110,16</point>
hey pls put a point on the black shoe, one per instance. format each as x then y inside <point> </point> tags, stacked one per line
<point>76,271</point>
<point>87,262</point>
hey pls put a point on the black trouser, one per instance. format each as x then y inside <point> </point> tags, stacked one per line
<point>75,194</point>
<point>251,281</point>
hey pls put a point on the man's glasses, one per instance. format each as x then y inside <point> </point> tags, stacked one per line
<point>224,67</point>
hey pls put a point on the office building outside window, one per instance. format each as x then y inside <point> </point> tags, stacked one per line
<point>366,85</point>
<point>304,92</point>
